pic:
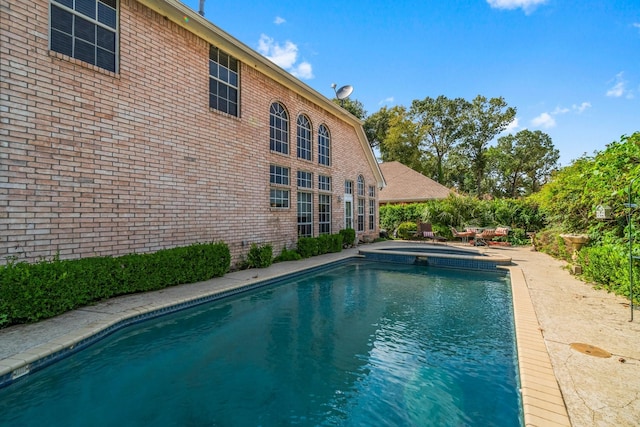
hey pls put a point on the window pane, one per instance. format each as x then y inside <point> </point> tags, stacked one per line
<point>106,60</point>
<point>62,43</point>
<point>61,20</point>
<point>213,69</point>
<point>233,109</point>
<point>213,101</point>
<point>233,79</point>
<point>106,39</point>
<point>85,30</point>
<point>224,74</point>
<point>111,3</point>
<point>68,3</point>
<point>107,15</point>
<point>85,51</point>
<point>87,7</point>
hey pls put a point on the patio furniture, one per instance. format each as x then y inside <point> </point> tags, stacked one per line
<point>425,230</point>
<point>482,239</point>
<point>462,235</point>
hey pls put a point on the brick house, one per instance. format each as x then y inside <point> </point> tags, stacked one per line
<point>131,126</point>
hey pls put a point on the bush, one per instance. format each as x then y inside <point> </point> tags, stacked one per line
<point>287,255</point>
<point>30,292</point>
<point>407,230</point>
<point>308,247</point>
<point>348,237</point>
<point>260,256</point>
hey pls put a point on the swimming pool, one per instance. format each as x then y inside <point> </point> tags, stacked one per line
<point>357,344</point>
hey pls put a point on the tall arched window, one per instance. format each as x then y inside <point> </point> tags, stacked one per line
<point>360,218</point>
<point>278,129</point>
<point>304,138</point>
<point>324,146</point>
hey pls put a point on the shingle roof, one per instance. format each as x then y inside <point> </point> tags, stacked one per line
<point>404,185</point>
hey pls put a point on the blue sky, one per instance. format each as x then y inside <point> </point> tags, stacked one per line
<point>571,68</point>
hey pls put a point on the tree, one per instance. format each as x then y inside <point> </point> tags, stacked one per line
<point>522,162</point>
<point>441,123</point>
<point>485,119</point>
<point>376,127</point>
<point>402,140</point>
<point>354,106</point>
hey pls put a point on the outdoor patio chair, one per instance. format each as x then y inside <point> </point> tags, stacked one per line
<point>482,239</point>
<point>462,235</point>
<point>425,230</point>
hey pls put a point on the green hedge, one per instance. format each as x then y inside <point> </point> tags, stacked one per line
<point>608,268</point>
<point>30,292</point>
<point>260,256</point>
<point>325,243</point>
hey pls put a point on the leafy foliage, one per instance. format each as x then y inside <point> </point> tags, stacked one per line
<point>30,292</point>
<point>260,256</point>
<point>569,200</point>
<point>459,211</point>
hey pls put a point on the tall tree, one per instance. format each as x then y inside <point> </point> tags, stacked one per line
<point>376,126</point>
<point>402,140</point>
<point>485,119</point>
<point>441,122</point>
<point>523,162</point>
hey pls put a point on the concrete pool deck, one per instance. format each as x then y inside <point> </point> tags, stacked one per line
<point>561,311</point>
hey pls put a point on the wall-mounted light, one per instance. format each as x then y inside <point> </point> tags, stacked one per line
<point>339,199</point>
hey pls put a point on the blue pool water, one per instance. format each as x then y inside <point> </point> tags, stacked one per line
<point>361,344</point>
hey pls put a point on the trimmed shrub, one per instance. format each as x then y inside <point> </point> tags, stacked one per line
<point>308,247</point>
<point>287,255</point>
<point>30,292</point>
<point>260,256</point>
<point>348,237</point>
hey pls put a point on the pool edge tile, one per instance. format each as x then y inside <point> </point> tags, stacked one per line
<point>542,401</point>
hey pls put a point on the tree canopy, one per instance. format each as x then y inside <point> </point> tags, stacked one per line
<point>449,141</point>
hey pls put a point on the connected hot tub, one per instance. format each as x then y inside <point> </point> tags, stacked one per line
<point>437,255</point>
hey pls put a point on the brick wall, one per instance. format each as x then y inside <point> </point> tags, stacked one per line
<point>97,163</point>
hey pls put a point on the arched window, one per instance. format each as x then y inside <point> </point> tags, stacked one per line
<point>324,146</point>
<point>360,207</point>
<point>304,138</point>
<point>360,186</point>
<point>278,129</point>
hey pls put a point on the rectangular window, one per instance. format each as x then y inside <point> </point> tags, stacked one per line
<point>86,30</point>
<point>360,214</point>
<point>372,214</point>
<point>305,214</point>
<point>278,175</point>
<point>348,187</point>
<point>324,213</point>
<point>372,191</point>
<point>305,179</point>
<point>279,198</point>
<point>223,81</point>
<point>324,183</point>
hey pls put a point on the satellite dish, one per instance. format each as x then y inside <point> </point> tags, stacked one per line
<point>344,92</point>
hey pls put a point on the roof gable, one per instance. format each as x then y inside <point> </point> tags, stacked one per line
<point>404,185</point>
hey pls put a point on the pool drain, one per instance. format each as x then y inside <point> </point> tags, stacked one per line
<point>590,350</point>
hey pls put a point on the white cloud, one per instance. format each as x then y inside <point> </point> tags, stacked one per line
<point>512,126</point>
<point>580,108</point>
<point>560,110</point>
<point>284,56</point>
<point>544,120</point>
<point>279,20</point>
<point>637,25</point>
<point>388,100</point>
<point>303,71</point>
<point>527,5</point>
<point>619,88</point>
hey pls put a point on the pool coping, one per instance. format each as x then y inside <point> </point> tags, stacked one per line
<point>542,401</point>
